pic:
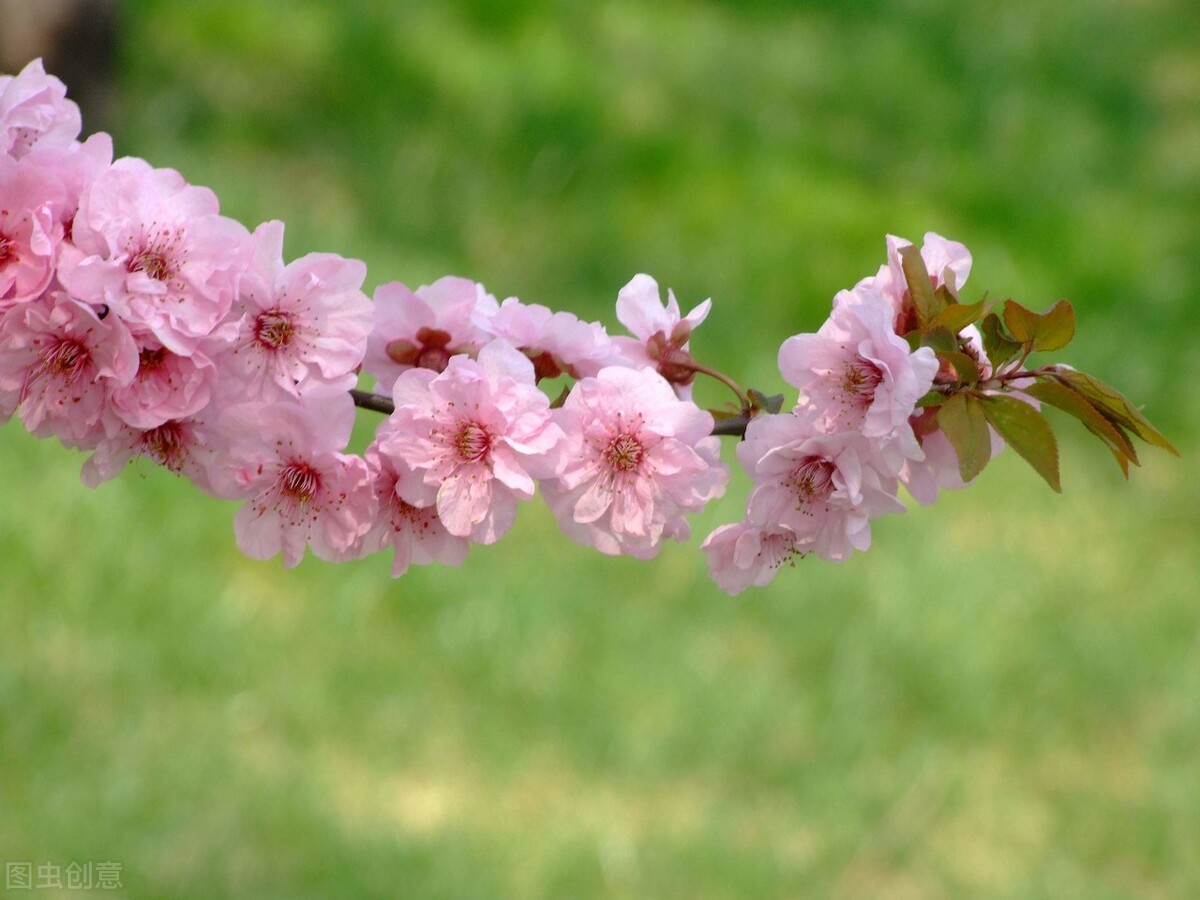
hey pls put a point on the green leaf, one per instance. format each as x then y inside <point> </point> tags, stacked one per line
<point>1020,322</point>
<point>920,287</point>
<point>942,340</point>
<point>1114,405</point>
<point>1057,327</point>
<point>772,404</point>
<point>962,420</point>
<point>958,316</point>
<point>1026,431</point>
<point>998,345</point>
<point>933,398</point>
<point>964,366</point>
<point>1051,330</point>
<point>1058,395</point>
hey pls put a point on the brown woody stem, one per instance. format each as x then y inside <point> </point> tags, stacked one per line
<point>379,403</point>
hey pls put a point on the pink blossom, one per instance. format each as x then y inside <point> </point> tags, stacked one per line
<point>167,386</point>
<point>556,342</point>
<point>478,434</point>
<point>155,250</point>
<point>857,374</point>
<point>947,262</point>
<point>58,361</point>
<point>425,328</point>
<point>35,112</point>
<point>183,446</point>
<point>284,460</point>
<point>938,470</point>
<point>75,167</point>
<point>743,555</point>
<point>31,201</point>
<point>660,332</point>
<point>415,533</point>
<point>638,460</point>
<point>306,322</point>
<point>825,488</point>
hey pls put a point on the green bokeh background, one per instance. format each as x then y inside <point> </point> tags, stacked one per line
<point>1000,700</point>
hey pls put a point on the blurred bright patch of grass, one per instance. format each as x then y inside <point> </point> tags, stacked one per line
<point>1002,699</point>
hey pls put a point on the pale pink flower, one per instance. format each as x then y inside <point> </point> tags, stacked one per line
<point>638,460</point>
<point>825,488</point>
<point>556,342</point>
<point>284,460</point>
<point>35,112</point>
<point>660,332</point>
<point>939,470</point>
<point>744,555</point>
<point>75,167</point>
<point>478,433</point>
<point>155,250</point>
<point>58,362</point>
<point>415,533</point>
<point>947,263</point>
<point>180,446</point>
<point>31,202</point>
<point>167,386</point>
<point>306,322</point>
<point>857,374</point>
<point>425,328</point>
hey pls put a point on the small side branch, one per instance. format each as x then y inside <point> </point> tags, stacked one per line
<point>374,402</point>
<point>733,427</point>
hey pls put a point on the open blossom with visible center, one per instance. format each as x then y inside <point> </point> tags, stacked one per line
<point>857,374</point>
<point>302,323</point>
<point>35,112</point>
<point>660,332</point>
<point>415,533</point>
<point>284,459</point>
<point>58,362</point>
<point>743,555</point>
<point>478,433</point>
<point>424,328</point>
<point>825,488</point>
<point>156,251</point>
<point>182,446</point>
<point>638,460</point>
<point>556,342</point>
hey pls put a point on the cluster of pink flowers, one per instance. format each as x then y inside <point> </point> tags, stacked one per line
<point>824,470</point>
<point>137,321</point>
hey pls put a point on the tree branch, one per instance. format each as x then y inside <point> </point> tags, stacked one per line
<point>734,427</point>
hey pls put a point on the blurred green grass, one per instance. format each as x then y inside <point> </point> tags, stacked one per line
<point>1002,699</point>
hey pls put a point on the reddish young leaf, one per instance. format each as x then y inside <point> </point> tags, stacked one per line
<point>942,340</point>
<point>958,316</point>
<point>772,404</point>
<point>1114,405</point>
<point>1057,327</point>
<point>1051,330</point>
<point>1026,431</point>
<point>997,343</point>
<point>964,366</point>
<point>920,288</point>
<point>962,420</point>
<point>1058,395</point>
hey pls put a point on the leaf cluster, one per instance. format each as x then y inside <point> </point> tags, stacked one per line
<point>972,396</point>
